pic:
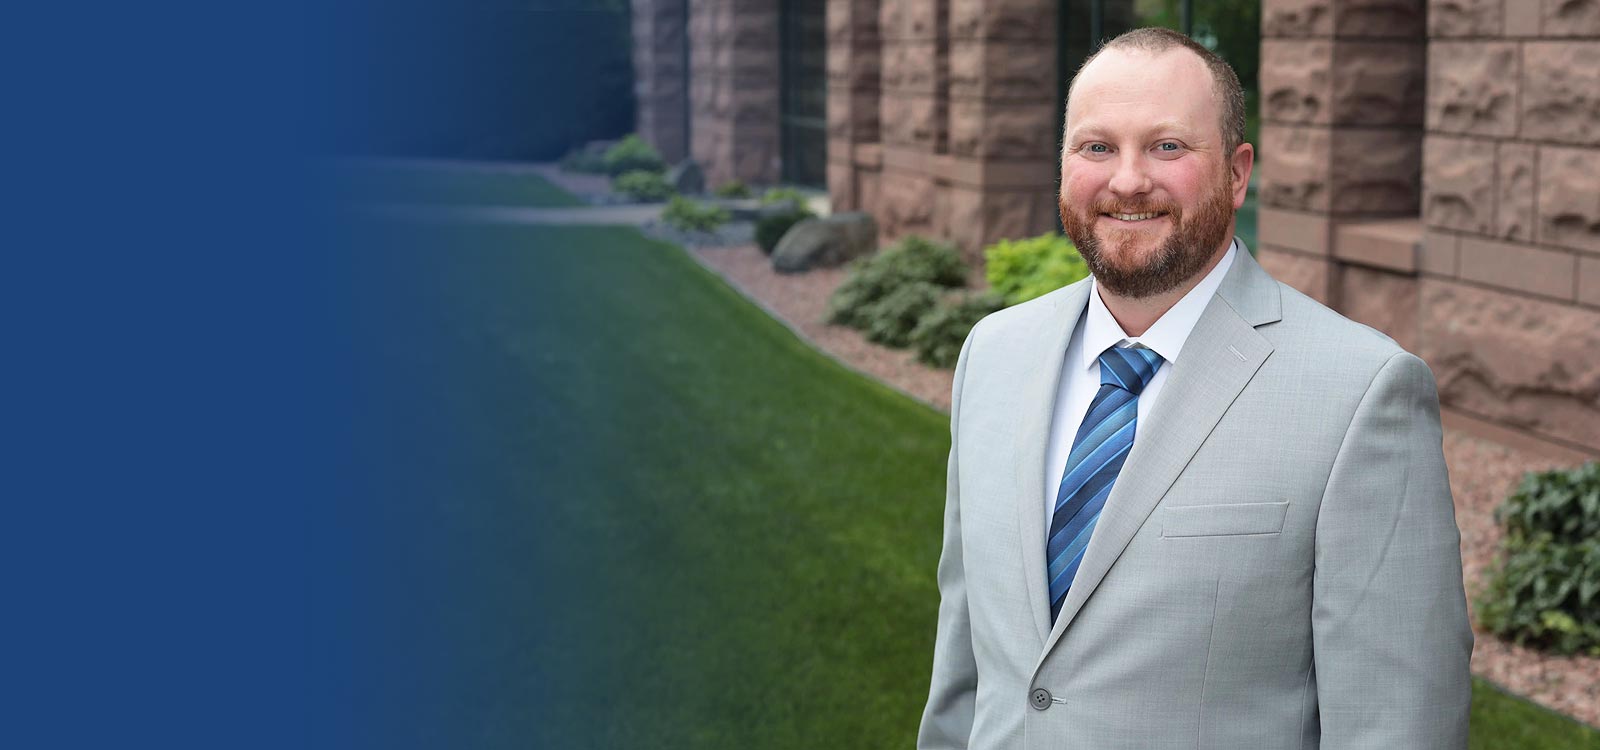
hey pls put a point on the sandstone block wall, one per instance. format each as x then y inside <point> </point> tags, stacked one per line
<point>732,81</point>
<point>1343,95</point>
<point>942,117</point>
<point>1442,184</point>
<point>1509,310</point>
<point>733,89</point>
<point>855,64</point>
<point>941,113</point>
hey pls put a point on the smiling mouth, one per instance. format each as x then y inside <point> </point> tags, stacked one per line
<point>1135,217</point>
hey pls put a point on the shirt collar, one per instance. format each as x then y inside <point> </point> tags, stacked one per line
<point>1168,334</point>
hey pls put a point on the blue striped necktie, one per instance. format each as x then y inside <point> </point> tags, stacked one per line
<point>1104,439</point>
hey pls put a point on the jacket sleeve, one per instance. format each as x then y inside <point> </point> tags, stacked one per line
<point>947,719</point>
<point>1389,620</point>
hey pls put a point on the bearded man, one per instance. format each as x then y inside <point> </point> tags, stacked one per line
<point>1188,506</point>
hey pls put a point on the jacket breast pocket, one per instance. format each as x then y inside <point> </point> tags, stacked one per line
<point>1231,519</point>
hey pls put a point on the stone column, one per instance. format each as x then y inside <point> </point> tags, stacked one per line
<point>1510,260</point>
<point>659,75</point>
<point>1001,174</point>
<point>854,155</point>
<point>913,115</point>
<point>942,117</point>
<point>733,89</point>
<point>1342,91</point>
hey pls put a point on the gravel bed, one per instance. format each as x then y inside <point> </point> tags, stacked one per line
<point>1482,472</point>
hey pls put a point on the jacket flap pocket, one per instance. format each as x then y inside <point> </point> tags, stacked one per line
<point>1223,520</point>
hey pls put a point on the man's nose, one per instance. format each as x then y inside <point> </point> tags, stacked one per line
<point>1132,176</point>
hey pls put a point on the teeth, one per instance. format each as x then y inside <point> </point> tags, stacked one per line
<point>1135,217</point>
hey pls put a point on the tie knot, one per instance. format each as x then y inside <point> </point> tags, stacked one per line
<point>1129,368</point>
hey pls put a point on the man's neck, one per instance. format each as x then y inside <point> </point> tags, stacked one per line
<point>1136,315</point>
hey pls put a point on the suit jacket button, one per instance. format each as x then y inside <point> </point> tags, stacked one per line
<point>1040,700</point>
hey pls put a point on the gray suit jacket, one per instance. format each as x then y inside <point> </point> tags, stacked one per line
<point>1277,565</point>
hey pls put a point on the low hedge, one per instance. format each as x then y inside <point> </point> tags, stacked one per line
<point>778,195</point>
<point>732,189</point>
<point>691,216</point>
<point>1544,588</point>
<point>912,259</point>
<point>890,319</point>
<point>941,332</point>
<point>642,185</point>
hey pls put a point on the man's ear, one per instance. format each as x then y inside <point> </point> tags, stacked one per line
<point>1244,160</point>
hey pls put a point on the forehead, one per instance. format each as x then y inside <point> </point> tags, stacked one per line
<point>1123,89</point>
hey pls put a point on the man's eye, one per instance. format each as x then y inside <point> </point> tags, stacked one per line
<point>1097,148</point>
<point>1168,146</point>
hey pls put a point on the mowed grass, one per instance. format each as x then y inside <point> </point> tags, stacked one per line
<point>422,184</point>
<point>670,523</point>
<point>631,510</point>
<point>1501,720</point>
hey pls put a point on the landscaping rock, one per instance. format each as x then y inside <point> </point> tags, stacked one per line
<point>826,242</point>
<point>687,178</point>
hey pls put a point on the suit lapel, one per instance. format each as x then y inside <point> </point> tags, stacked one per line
<point>1042,356</point>
<point>1220,357</point>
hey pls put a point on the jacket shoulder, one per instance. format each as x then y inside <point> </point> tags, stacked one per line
<point>1314,333</point>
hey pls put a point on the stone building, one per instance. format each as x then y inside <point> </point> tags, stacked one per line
<point>1428,167</point>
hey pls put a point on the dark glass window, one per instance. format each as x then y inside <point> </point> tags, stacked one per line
<point>803,95</point>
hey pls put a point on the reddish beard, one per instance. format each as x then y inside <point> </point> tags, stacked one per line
<point>1188,247</point>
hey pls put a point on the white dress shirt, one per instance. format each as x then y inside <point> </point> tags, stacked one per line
<point>1080,374</point>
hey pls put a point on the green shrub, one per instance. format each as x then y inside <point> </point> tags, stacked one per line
<point>632,154</point>
<point>771,229</point>
<point>866,284</point>
<point>890,319</point>
<point>1021,270</point>
<point>912,259</point>
<point>1544,589</point>
<point>939,335</point>
<point>643,186</point>
<point>774,196</point>
<point>732,189</point>
<point>922,259</point>
<point>690,216</point>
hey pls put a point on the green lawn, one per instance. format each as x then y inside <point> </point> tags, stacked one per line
<point>1501,720</point>
<point>632,511</point>
<point>407,183</point>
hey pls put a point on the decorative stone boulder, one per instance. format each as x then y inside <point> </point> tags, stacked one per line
<point>686,178</point>
<point>826,242</point>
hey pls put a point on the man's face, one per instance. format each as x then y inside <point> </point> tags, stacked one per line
<point>1147,192</point>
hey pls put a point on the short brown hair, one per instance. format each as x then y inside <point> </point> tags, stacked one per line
<point>1156,40</point>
